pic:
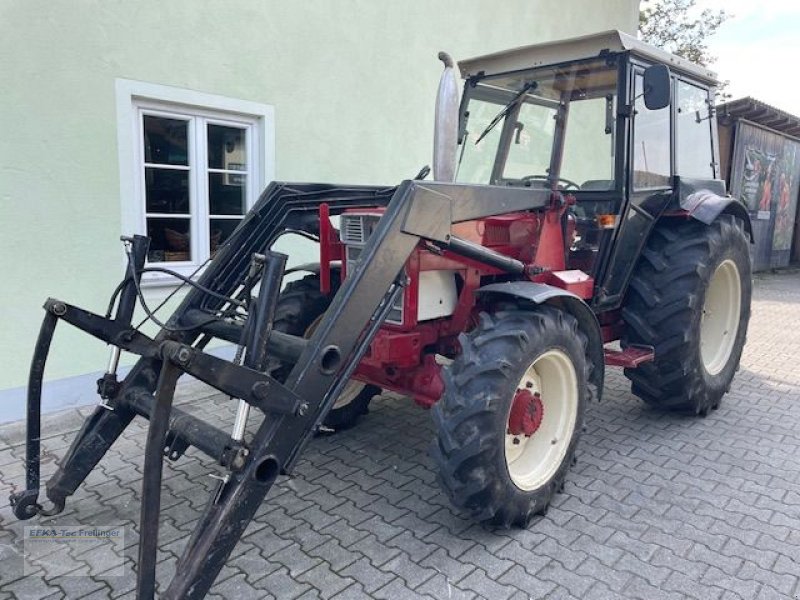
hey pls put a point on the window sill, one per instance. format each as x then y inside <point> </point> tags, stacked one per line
<point>165,280</point>
<point>149,283</point>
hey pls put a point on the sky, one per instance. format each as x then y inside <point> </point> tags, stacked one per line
<point>758,50</point>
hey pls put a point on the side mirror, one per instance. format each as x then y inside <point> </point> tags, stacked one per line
<point>657,87</point>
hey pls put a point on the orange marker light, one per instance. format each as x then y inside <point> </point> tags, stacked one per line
<point>606,221</point>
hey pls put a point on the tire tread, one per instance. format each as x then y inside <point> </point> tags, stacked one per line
<point>661,311</point>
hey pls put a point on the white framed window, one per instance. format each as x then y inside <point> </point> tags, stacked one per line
<point>191,165</point>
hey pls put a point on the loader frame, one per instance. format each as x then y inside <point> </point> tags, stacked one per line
<point>415,212</point>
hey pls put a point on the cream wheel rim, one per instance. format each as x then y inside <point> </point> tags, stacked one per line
<point>353,387</point>
<point>719,322</point>
<point>349,393</point>
<point>532,460</point>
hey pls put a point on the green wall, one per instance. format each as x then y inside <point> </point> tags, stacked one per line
<point>353,84</point>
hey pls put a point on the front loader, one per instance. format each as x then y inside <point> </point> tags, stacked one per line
<point>575,203</point>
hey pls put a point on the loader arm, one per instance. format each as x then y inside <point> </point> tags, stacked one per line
<point>294,409</point>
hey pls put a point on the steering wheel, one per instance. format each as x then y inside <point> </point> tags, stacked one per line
<point>568,184</point>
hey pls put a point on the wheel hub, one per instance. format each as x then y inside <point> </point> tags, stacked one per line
<point>527,412</point>
<point>536,439</point>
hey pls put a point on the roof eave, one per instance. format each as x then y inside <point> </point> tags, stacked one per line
<point>760,113</point>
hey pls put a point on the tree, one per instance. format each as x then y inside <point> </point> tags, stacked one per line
<point>679,27</point>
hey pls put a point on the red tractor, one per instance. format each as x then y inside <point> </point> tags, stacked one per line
<point>576,202</point>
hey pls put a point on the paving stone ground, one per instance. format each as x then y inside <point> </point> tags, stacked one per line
<point>658,506</point>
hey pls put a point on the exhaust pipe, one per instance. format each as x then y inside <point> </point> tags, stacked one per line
<point>445,133</point>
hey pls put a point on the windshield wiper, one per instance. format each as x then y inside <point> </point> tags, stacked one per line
<point>506,109</point>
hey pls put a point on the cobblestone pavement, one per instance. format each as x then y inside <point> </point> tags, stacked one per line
<point>658,506</point>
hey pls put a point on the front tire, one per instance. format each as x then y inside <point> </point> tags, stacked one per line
<point>509,420</point>
<point>299,310</point>
<point>690,299</point>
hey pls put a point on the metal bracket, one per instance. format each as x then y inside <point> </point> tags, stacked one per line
<point>429,215</point>
<point>108,386</point>
<point>175,446</point>
<point>257,389</point>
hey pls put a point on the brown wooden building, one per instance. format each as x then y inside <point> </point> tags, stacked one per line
<point>760,161</point>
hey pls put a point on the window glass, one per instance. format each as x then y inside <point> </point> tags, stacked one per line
<point>532,144</point>
<point>166,141</point>
<point>227,181</point>
<point>589,144</point>
<point>651,145</point>
<point>166,188</point>
<point>170,239</point>
<point>220,230</point>
<point>477,160</point>
<point>694,132</point>
<point>227,147</point>
<point>583,93</point>
<point>227,193</point>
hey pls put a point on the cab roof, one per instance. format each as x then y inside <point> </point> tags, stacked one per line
<point>587,46</point>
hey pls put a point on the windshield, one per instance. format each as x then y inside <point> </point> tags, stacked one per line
<point>513,124</point>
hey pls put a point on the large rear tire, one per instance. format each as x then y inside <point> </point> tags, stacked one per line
<point>300,307</point>
<point>690,299</point>
<point>511,414</point>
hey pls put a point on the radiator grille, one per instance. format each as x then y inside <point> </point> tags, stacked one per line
<point>354,232</point>
<point>352,229</point>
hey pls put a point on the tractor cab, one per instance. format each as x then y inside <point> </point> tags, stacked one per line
<point>613,124</point>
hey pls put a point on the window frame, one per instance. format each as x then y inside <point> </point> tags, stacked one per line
<point>136,99</point>
<point>198,169</point>
<point>637,69</point>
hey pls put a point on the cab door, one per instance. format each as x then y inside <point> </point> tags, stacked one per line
<point>649,186</point>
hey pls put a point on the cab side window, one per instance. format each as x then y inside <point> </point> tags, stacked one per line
<point>651,143</point>
<point>693,152</point>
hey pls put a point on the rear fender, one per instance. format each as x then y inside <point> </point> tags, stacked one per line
<point>528,292</point>
<point>707,205</point>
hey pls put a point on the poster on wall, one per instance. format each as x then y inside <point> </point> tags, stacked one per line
<point>765,176</point>
<point>756,181</point>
